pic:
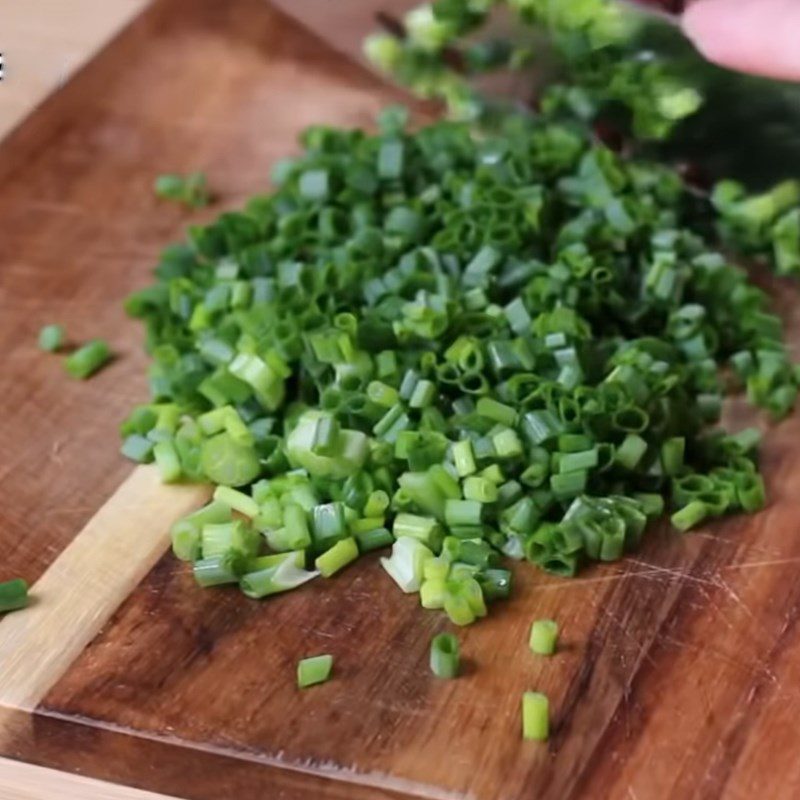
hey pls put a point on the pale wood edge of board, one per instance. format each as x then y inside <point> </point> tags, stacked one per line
<point>51,56</point>
<point>22,781</point>
<point>87,582</point>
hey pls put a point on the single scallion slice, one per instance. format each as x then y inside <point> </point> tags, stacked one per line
<point>313,670</point>
<point>52,338</point>
<point>544,637</point>
<point>337,557</point>
<point>283,577</point>
<point>88,359</point>
<point>228,462</point>
<point>445,655</point>
<point>13,595</point>
<point>535,716</point>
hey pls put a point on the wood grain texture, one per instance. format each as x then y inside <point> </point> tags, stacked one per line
<point>70,745</point>
<point>27,782</point>
<point>678,676</point>
<point>84,586</point>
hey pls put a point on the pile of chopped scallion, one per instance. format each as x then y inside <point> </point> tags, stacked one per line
<point>466,348</point>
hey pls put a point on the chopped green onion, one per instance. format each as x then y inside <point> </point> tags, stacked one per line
<point>480,489</point>
<point>236,500</point>
<point>406,564</point>
<point>296,557</point>
<point>51,338</point>
<point>424,529</point>
<point>535,716</point>
<point>88,359</point>
<point>138,448</point>
<point>186,533</point>
<point>463,512</point>
<point>544,635</point>
<point>470,346</point>
<point>227,462</point>
<point>273,580</point>
<point>382,394</point>
<point>337,557</point>
<point>631,451</point>
<point>190,191</point>
<point>217,570</point>
<point>377,503</point>
<point>690,515</point>
<point>464,458</point>
<point>499,412</point>
<point>445,655</point>
<point>572,462</point>
<point>13,595</point>
<point>167,461</point>
<point>423,394</point>
<point>374,539</point>
<point>313,670</point>
<point>219,538</point>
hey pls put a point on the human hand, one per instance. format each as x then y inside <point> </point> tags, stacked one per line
<point>757,36</point>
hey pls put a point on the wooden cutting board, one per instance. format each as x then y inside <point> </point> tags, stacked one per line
<point>679,673</point>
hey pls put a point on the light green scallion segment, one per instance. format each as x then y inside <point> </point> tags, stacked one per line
<point>314,670</point>
<point>338,557</point>
<point>690,515</point>
<point>445,656</point>
<point>186,532</point>
<point>407,562</point>
<point>544,637</point>
<point>51,338</point>
<point>464,458</point>
<point>535,716</point>
<point>236,500</point>
<point>167,461</point>
<point>480,489</point>
<point>283,577</point>
<point>88,359</point>
<point>217,570</point>
<point>236,536</point>
<point>190,190</point>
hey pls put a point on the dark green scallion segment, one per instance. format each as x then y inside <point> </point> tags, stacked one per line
<point>88,359</point>
<point>375,539</point>
<point>445,655</point>
<point>13,595</point>
<point>51,338</point>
